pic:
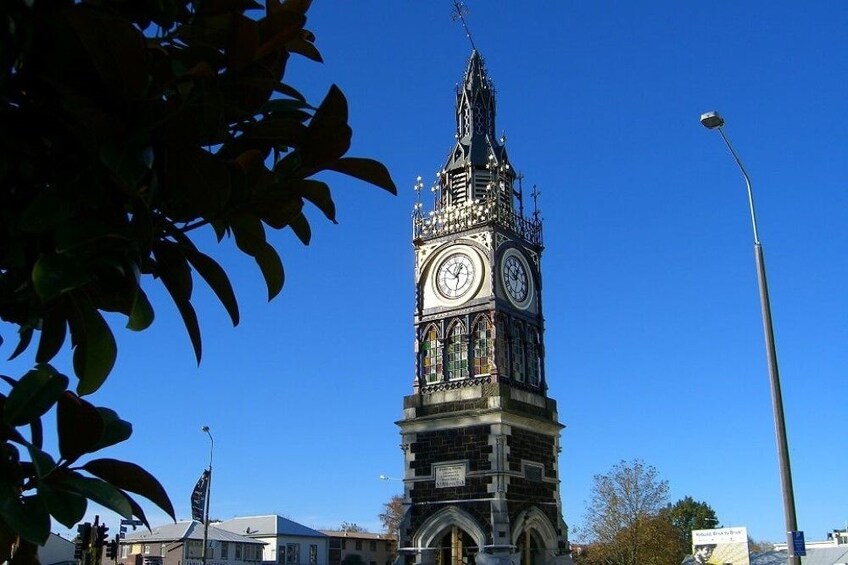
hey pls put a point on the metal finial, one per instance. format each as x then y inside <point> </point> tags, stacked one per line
<point>459,12</point>
<point>536,194</point>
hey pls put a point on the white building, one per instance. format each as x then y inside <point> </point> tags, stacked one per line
<point>286,542</point>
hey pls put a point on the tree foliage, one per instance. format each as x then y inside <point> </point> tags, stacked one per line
<point>125,127</point>
<point>392,514</point>
<point>629,523</point>
<point>352,527</point>
<point>687,514</point>
<point>623,503</point>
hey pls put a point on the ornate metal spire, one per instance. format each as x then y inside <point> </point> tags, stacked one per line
<point>477,183</point>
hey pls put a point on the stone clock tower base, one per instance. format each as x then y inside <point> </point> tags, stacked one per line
<point>481,478</point>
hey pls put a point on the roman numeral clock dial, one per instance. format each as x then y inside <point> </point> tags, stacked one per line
<point>455,276</point>
<point>516,279</point>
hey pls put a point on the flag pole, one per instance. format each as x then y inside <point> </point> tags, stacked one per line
<point>208,496</point>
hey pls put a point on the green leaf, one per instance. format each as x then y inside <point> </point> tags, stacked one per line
<point>301,228</point>
<point>137,510</point>
<point>24,340</point>
<point>368,170</point>
<point>46,212</point>
<point>115,430</point>
<point>58,273</point>
<point>95,349</point>
<point>80,427</point>
<point>129,476</point>
<point>217,280</point>
<point>176,276</point>
<point>173,269</point>
<point>318,193</point>
<point>43,462</point>
<point>250,238</point>
<point>28,517</point>
<point>53,330</point>
<point>34,395</point>
<point>328,136</point>
<point>98,491</point>
<point>305,48</point>
<point>67,507</point>
<point>272,269</point>
<point>141,316</point>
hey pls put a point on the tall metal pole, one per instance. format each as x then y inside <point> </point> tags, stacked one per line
<point>712,120</point>
<point>208,496</point>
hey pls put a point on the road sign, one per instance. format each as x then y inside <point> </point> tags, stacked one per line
<point>798,547</point>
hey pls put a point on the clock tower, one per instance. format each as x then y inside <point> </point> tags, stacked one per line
<point>479,434</point>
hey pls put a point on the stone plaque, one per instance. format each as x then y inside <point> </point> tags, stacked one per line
<point>450,476</point>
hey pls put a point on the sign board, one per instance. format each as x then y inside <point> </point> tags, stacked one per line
<point>450,475</point>
<point>721,546</point>
<point>798,546</point>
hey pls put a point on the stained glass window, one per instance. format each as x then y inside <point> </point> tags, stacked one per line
<point>431,358</point>
<point>482,350</point>
<point>517,338</point>
<point>457,353</point>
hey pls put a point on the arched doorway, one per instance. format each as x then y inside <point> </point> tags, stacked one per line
<point>531,548</point>
<point>456,548</point>
<point>534,537</point>
<point>451,536</point>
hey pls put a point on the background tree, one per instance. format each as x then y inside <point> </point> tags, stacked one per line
<point>687,514</point>
<point>624,502</point>
<point>351,527</point>
<point>759,546</point>
<point>125,128</point>
<point>392,514</point>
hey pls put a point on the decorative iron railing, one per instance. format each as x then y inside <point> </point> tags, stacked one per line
<point>457,218</point>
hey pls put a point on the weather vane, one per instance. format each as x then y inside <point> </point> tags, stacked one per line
<point>460,10</point>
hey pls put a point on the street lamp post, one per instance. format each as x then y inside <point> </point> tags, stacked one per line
<point>208,496</point>
<point>712,120</point>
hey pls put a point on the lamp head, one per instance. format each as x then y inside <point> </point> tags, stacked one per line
<point>712,120</point>
<point>205,429</point>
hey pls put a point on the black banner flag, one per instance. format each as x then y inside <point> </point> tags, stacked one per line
<point>198,497</point>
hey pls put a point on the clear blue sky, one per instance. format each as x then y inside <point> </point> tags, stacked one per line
<point>654,336</point>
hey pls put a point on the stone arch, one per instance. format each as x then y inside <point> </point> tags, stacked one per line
<point>534,522</point>
<point>429,533</point>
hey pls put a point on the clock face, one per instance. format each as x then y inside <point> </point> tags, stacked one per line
<point>515,278</point>
<point>455,275</point>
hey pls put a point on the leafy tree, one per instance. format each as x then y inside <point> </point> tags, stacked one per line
<point>687,514</point>
<point>650,540</point>
<point>392,514</point>
<point>624,502</point>
<point>759,546</point>
<point>125,129</point>
<point>351,527</point>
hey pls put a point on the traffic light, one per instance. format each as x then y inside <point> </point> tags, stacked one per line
<point>101,535</point>
<point>112,549</point>
<point>83,541</point>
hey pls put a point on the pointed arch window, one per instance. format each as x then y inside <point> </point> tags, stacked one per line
<point>457,353</point>
<point>518,357</point>
<point>482,347</point>
<point>431,356</point>
<point>532,338</point>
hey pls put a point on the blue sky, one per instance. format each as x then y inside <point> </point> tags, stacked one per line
<point>654,336</point>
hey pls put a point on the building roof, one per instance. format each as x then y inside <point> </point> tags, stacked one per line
<point>357,535</point>
<point>268,526</point>
<point>186,530</point>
